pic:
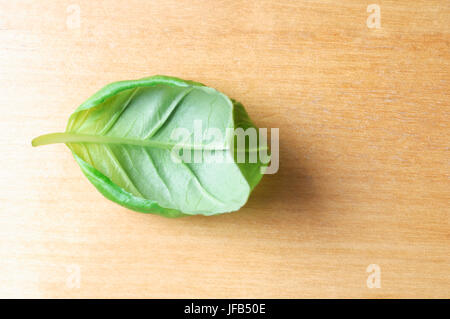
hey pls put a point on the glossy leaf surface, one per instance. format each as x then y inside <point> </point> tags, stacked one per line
<point>122,139</point>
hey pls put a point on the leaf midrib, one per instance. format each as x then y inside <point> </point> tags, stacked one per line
<point>54,138</point>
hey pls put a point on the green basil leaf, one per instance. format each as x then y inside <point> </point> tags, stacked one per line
<point>122,139</point>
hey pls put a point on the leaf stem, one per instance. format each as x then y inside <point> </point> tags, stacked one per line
<point>54,138</point>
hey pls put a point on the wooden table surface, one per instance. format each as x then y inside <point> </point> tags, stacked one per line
<point>362,195</point>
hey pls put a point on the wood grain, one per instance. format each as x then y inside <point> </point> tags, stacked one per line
<point>364,149</point>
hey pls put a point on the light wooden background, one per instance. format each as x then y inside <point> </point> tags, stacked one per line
<point>364,152</point>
